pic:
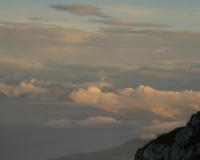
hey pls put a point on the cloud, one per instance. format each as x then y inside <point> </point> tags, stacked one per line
<point>95,96</point>
<point>127,22</point>
<point>164,103</point>
<point>44,52</point>
<point>126,91</point>
<point>92,121</point>
<point>80,9</point>
<point>29,25</point>
<point>46,35</point>
<point>91,95</point>
<point>32,81</point>
<point>148,136</point>
<point>149,31</point>
<point>14,91</point>
<point>34,43</point>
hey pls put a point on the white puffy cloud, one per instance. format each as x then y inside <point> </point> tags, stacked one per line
<point>164,103</point>
<point>126,91</point>
<point>15,91</point>
<point>32,81</point>
<point>91,95</point>
<point>108,101</point>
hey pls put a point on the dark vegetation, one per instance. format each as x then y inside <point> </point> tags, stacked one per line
<point>167,138</point>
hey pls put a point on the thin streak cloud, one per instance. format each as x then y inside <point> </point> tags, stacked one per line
<point>127,22</point>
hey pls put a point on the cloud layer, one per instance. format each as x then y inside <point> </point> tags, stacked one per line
<point>80,9</point>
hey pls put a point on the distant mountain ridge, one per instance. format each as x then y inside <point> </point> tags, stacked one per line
<point>125,151</point>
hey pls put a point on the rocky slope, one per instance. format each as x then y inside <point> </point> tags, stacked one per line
<point>179,144</point>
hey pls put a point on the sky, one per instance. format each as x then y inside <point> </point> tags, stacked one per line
<point>82,76</point>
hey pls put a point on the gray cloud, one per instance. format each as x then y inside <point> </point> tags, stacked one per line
<point>80,9</point>
<point>127,22</point>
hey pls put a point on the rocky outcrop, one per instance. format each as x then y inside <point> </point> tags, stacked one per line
<point>179,144</point>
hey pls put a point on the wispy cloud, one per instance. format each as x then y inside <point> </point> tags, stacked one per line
<point>127,22</point>
<point>80,9</point>
<point>149,31</point>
